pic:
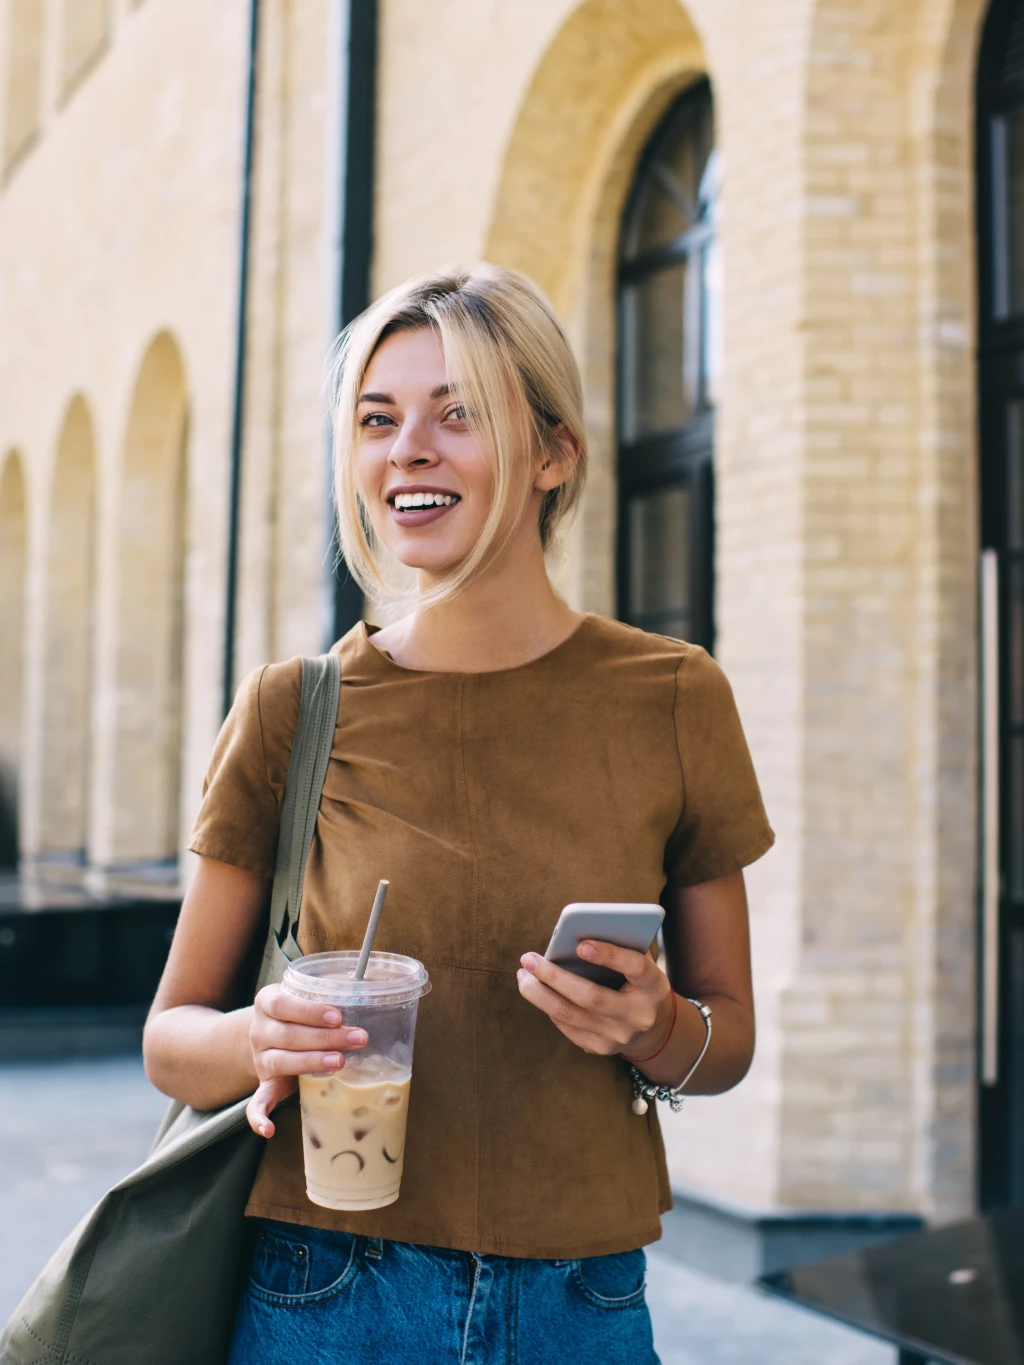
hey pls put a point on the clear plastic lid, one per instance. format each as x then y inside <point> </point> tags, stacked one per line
<point>391,979</point>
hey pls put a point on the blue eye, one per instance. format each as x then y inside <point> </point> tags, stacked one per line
<point>375,419</point>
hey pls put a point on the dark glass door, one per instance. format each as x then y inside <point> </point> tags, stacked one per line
<point>669,317</point>
<point>1001,389</point>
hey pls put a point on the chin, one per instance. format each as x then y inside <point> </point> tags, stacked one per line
<point>423,560</point>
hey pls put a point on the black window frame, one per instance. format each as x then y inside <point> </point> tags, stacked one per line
<point>683,457</point>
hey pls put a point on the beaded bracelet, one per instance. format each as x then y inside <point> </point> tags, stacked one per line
<point>644,1090</point>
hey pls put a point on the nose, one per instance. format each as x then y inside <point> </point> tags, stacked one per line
<point>411,448</point>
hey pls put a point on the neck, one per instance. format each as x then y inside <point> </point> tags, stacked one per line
<point>506,617</point>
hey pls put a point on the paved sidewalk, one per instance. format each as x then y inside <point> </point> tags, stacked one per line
<point>68,1130</point>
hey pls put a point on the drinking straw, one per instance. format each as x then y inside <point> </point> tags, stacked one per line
<point>371,928</point>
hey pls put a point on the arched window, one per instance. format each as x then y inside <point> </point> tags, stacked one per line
<point>1000,150</point>
<point>669,357</point>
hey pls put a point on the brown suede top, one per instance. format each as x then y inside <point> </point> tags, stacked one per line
<point>491,800</point>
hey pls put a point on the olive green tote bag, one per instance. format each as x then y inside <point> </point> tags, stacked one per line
<point>152,1275</point>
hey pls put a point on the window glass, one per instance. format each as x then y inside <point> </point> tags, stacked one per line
<point>1007,133</point>
<point>670,298</point>
<point>667,201</point>
<point>653,312</point>
<point>672,277</point>
<point>659,577</point>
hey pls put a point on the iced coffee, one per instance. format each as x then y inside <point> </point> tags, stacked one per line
<point>353,1134</point>
<point>354,1120</point>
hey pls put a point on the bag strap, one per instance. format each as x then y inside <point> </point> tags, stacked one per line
<point>307,768</point>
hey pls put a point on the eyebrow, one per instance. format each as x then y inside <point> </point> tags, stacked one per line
<point>442,391</point>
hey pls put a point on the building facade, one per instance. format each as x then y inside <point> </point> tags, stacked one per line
<point>759,223</point>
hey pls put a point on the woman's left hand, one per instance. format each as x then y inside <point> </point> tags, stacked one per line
<point>635,1020</point>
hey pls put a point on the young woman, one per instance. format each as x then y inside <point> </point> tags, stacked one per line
<point>497,755</point>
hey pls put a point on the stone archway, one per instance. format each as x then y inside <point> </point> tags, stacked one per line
<point>135,792</point>
<point>595,97</point>
<point>61,817</point>
<point>13,556</point>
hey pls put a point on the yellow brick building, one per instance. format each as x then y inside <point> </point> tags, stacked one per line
<point>759,222</point>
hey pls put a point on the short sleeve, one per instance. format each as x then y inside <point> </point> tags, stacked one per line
<point>723,825</point>
<point>240,814</point>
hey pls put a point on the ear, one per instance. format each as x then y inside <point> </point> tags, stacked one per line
<point>559,461</point>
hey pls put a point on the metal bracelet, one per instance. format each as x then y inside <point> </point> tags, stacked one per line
<point>644,1090</point>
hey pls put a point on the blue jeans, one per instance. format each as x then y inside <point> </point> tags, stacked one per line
<point>332,1298</point>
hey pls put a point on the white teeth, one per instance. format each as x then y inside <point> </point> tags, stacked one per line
<point>407,501</point>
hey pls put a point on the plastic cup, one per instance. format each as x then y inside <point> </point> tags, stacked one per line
<point>353,1120</point>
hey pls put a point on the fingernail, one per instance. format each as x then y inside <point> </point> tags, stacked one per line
<point>586,950</point>
<point>357,1037</point>
<point>263,1130</point>
<point>332,1018</point>
<point>332,1059</point>
<point>529,959</point>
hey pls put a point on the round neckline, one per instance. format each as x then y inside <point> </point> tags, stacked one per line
<point>385,658</point>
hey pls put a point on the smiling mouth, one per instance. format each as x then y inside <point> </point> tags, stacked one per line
<point>416,502</point>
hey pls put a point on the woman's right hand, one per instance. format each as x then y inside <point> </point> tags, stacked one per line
<point>289,1038</point>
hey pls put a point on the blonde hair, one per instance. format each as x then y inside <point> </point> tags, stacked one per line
<point>509,359</point>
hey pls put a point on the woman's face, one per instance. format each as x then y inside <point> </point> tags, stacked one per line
<point>422,471</point>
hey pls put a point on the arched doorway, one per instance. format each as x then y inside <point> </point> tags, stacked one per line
<point>68,635</point>
<point>1000,151</point>
<point>135,796</point>
<point>669,327</point>
<point>12,622</point>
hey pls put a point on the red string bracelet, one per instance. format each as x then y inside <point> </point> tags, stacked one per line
<point>675,1012</point>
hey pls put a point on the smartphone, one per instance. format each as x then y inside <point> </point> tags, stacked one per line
<point>625,924</point>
